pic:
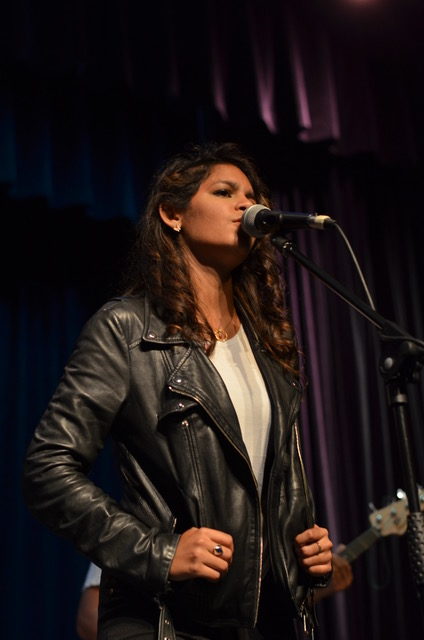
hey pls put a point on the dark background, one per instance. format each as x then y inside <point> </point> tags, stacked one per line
<point>327,96</point>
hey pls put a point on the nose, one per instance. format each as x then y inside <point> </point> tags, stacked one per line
<point>244,204</point>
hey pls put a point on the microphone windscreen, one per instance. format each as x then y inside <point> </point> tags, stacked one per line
<point>248,220</point>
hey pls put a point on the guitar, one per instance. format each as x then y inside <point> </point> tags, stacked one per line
<point>391,520</point>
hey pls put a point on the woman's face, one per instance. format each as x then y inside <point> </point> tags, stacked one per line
<point>210,226</point>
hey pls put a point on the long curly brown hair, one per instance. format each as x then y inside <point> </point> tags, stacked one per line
<point>158,267</point>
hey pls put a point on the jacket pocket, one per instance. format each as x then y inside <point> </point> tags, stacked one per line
<point>141,495</point>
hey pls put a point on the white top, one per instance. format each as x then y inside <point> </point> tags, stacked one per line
<point>237,366</point>
<point>92,578</point>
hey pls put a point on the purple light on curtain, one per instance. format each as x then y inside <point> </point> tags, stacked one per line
<point>314,83</point>
<point>220,59</point>
<point>326,111</point>
<point>218,78</point>
<point>300,92</point>
<point>262,40</point>
<point>219,93</point>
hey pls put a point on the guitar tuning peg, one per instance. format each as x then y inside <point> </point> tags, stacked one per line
<point>400,494</point>
<point>371,506</point>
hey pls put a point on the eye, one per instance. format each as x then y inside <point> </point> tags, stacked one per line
<point>226,193</point>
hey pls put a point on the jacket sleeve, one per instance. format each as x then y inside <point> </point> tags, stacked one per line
<point>66,442</point>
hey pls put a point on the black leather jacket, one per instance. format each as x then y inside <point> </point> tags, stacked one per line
<point>182,460</point>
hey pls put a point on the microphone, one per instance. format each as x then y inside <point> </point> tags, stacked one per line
<point>258,221</point>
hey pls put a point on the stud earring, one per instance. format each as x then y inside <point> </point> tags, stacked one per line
<point>177,227</point>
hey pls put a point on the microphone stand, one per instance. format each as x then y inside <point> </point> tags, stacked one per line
<point>402,357</point>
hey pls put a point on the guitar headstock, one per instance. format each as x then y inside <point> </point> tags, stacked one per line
<point>392,519</point>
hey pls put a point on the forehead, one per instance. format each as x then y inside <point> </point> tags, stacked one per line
<point>227,173</point>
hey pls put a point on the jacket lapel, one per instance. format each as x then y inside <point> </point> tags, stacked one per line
<point>196,377</point>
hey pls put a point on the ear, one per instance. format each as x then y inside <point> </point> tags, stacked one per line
<point>170,217</point>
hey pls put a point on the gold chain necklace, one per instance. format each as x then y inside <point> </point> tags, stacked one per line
<point>221,333</point>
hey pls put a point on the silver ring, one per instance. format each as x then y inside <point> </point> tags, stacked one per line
<point>217,550</point>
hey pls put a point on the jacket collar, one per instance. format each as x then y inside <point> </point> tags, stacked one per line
<point>155,329</point>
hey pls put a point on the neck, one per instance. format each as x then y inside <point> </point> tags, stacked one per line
<point>215,298</point>
<point>214,292</point>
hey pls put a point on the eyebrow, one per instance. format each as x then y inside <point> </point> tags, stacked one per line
<point>232,184</point>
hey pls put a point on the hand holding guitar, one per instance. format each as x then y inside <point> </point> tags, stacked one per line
<point>342,576</point>
<point>391,520</point>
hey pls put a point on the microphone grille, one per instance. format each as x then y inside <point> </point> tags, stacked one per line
<point>248,220</point>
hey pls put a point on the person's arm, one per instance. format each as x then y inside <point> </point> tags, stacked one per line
<point>341,578</point>
<point>87,614</point>
<point>70,435</point>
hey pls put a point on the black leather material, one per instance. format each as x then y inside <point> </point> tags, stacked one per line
<point>166,629</point>
<point>182,460</point>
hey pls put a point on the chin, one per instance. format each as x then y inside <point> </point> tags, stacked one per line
<point>240,255</point>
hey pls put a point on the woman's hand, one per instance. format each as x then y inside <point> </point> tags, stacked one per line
<point>313,548</point>
<point>202,553</point>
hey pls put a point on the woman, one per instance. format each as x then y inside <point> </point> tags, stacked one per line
<point>193,373</point>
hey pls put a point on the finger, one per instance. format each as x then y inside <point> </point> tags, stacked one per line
<point>214,568</point>
<point>219,551</point>
<point>217,564</point>
<point>317,565</point>
<point>316,557</point>
<point>311,535</point>
<point>219,537</point>
<point>214,548</point>
<point>319,549</point>
<point>314,542</point>
<point>211,538</point>
<point>321,559</point>
<point>319,569</point>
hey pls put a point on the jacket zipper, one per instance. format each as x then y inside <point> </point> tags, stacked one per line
<point>308,618</point>
<point>306,612</point>
<point>261,552</point>
<point>302,468</point>
<point>194,397</point>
